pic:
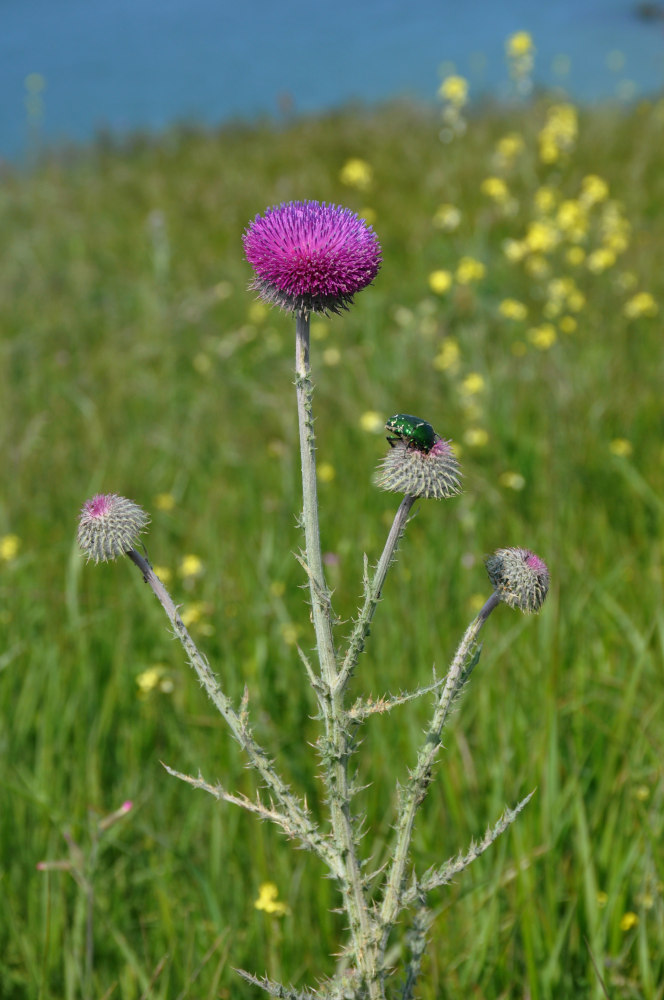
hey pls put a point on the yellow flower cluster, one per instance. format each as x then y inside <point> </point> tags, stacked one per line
<point>469,269</point>
<point>9,546</point>
<point>496,189</point>
<point>519,44</point>
<point>559,133</point>
<point>448,357</point>
<point>268,901</point>
<point>156,678</point>
<point>447,217</point>
<point>641,304</point>
<point>356,173</point>
<point>513,309</point>
<point>521,59</point>
<point>440,282</point>
<point>542,337</point>
<point>454,89</point>
<point>507,150</point>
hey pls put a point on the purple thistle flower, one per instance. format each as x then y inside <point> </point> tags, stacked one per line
<point>109,526</point>
<point>432,474</point>
<point>520,577</point>
<point>311,257</point>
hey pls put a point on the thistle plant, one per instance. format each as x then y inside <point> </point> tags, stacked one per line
<point>312,257</point>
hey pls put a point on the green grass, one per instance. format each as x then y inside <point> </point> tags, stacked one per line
<point>132,362</point>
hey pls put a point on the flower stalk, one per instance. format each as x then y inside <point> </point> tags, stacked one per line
<point>315,257</point>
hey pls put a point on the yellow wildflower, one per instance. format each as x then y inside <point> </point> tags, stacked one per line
<point>469,269</point>
<point>455,90</point>
<point>191,566</point>
<point>331,356</point>
<point>447,217</point>
<point>326,472</point>
<point>600,260</point>
<point>519,44</point>
<point>545,199</point>
<point>542,236</point>
<point>567,324</point>
<point>542,337</point>
<point>163,573</point>
<point>368,214</point>
<point>641,304</point>
<point>356,173</point>
<point>472,384</point>
<point>508,148</point>
<point>621,447</point>
<point>164,501</point>
<point>154,678</point>
<point>372,422</point>
<point>512,480</point>
<point>9,546</point>
<point>515,250</point>
<point>576,301</point>
<point>496,189</point>
<point>267,900</point>
<point>448,356</point>
<point>476,437</point>
<point>559,133</point>
<point>628,920</point>
<point>593,190</point>
<point>572,219</point>
<point>575,256</point>
<point>513,309</point>
<point>192,613</point>
<point>440,282</point>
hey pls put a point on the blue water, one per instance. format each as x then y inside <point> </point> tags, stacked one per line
<point>132,64</point>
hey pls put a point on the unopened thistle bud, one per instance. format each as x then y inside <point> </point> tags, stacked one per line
<point>109,526</point>
<point>311,257</point>
<point>432,474</point>
<point>520,578</point>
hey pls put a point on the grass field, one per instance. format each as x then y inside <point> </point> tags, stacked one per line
<point>134,360</point>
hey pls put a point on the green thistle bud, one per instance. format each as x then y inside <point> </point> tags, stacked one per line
<point>520,578</point>
<point>109,526</point>
<point>432,474</point>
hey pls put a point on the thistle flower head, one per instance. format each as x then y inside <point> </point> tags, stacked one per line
<point>310,256</point>
<point>432,474</point>
<point>520,578</point>
<point>109,526</point>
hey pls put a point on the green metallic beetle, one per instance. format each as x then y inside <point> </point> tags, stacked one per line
<point>414,432</point>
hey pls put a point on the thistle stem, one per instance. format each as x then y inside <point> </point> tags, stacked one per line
<point>415,791</point>
<point>372,592</point>
<point>338,747</point>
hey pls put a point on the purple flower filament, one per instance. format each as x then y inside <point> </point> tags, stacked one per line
<point>310,256</point>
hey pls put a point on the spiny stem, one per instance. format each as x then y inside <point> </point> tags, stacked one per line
<point>373,590</point>
<point>338,750</point>
<point>302,823</point>
<point>415,790</point>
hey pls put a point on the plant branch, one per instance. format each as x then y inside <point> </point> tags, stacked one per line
<point>372,591</point>
<point>415,791</point>
<point>312,841</point>
<point>296,813</point>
